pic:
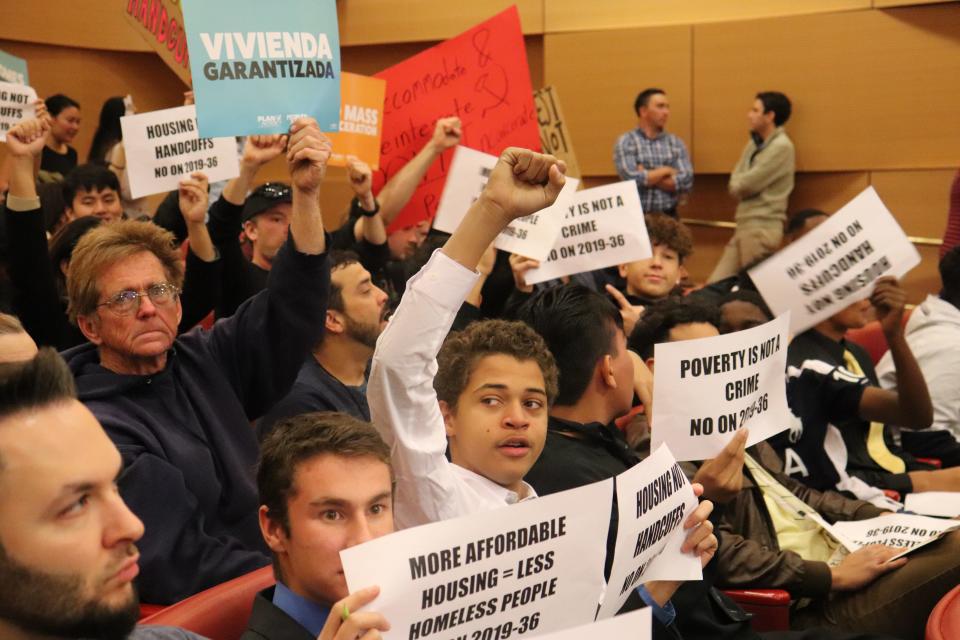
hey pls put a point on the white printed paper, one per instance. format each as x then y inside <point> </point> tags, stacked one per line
<point>532,236</point>
<point>896,530</point>
<point>601,227</point>
<point>165,147</point>
<point>16,104</point>
<point>836,263</point>
<point>528,568</point>
<point>654,500</point>
<point>636,625</point>
<point>945,504</point>
<point>705,390</point>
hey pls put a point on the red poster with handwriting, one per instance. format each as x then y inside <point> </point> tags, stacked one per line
<point>482,77</point>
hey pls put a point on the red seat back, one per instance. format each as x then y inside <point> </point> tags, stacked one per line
<point>770,607</point>
<point>944,620</point>
<point>220,612</point>
<point>871,337</point>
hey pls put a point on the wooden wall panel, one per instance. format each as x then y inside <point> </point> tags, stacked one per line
<point>871,89</point>
<point>918,199</point>
<point>598,75</point>
<point>91,76</point>
<point>91,24</point>
<point>99,24</point>
<point>385,21</point>
<point>882,4</point>
<point>570,15</point>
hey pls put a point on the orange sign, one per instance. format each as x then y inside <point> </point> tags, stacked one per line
<point>361,120</point>
<point>160,23</point>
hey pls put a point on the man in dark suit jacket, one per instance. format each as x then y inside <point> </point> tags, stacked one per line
<point>325,484</point>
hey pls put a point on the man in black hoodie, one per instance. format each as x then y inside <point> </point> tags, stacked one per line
<point>179,409</point>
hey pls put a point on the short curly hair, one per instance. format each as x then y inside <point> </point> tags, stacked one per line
<point>462,350</point>
<point>670,232</point>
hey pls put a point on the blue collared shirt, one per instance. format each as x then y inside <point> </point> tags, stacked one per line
<point>634,148</point>
<point>665,614</point>
<point>309,614</point>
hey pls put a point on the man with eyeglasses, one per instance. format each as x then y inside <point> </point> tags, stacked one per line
<point>179,409</point>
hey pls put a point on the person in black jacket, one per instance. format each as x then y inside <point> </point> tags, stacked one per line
<point>91,192</point>
<point>179,408</point>
<point>339,466</point>
<point>584,332</point>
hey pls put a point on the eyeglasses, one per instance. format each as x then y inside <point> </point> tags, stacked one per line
<point>273,191</point>
<point>128,301</point>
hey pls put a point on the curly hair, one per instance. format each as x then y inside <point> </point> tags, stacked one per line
<point>668,231</point>
<point>462,350</point>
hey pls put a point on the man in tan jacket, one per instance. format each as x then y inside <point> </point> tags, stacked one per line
<point>762,182</point>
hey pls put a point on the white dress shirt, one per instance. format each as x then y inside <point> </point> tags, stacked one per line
<point>404,407</point>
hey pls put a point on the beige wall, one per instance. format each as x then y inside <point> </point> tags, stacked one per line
<point>875,84</point>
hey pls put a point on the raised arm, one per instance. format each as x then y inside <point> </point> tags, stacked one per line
<point>201,285</point>
<point>263,345</point>
<point>910,405</point>
<point>370,226</point>
<point>398,190</point>
<point>403,403</point>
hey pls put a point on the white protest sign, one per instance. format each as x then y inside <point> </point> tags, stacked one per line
<point>654,499</point>
<point>704,390</point>
<point>532,236</point>
<point>164,147</point>
<point>16,104</point>
<point>945,504</point>
<point>601,227</point>
<point>836,264</point>
<point>468,173</point>
<point>636,625</point>
<point>896,530</point>
<point>532,567</point>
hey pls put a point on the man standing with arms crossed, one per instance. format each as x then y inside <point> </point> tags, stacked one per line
<point>762,182</point>
<point>656,160</point>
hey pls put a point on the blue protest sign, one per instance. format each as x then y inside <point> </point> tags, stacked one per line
<point>257,66</point>
<point>13,69</point>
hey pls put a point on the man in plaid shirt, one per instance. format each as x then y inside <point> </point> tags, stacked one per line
<point>656,160</point>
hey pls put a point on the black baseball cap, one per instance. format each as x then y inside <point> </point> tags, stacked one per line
<point>264,197</point>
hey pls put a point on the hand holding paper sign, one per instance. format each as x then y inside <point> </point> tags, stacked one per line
<point>722,477</point>
<point>863,566</point>
<point>888,299</point>
<point>700,540</point>
<point>307,153</point>
<point>519,265</point>
<point>347,622</point>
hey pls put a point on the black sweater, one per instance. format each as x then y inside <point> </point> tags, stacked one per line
<point>185,434</point>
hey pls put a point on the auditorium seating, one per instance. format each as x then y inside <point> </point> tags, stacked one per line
<point>220,612</point>
<point>944,620</point>
<point>770,607</point>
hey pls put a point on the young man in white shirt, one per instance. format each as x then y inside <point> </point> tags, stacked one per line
<point>496,415</point>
